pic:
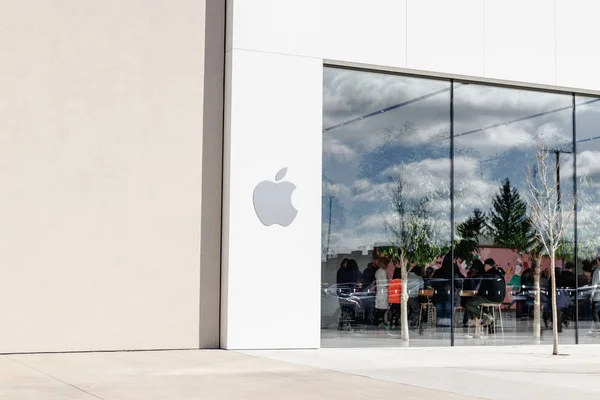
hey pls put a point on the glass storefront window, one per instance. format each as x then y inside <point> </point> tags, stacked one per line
<point>588,217</point>
<point>426,231</point>
<point>386,187</point>
<point>498,132</point>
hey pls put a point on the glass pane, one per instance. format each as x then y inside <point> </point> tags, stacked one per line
<point>588,217</point>
<point>386,203</point>
<point>498,133</point>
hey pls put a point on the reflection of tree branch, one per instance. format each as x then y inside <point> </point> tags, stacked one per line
<point>410,237</point>
<point>408,128</point>
<point>547,218</point>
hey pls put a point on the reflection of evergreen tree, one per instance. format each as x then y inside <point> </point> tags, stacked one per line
<point>470,232</point>
<point>509,224</point>
<point>473,228</point>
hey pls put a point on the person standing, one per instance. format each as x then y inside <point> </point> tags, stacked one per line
<point>368,275</point>
<point>394,298</point>
<point>595,297</point>
<point>343,276</point>
<point>347,278</point>
<point>368,279</point>
<point>381,295</point>
<point>354,274</point>
<point>442,285</point>
<point>415,284</point>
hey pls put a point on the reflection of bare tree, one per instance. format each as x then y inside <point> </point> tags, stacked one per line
<point>410,238</point>
<point>537,254</point>
<point>547,219</point>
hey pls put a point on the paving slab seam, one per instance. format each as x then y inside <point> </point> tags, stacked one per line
<point>58,379</point>
<point>372,378</point>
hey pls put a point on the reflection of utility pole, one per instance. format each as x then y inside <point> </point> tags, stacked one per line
<point>558,194</point>
<point>557,154</point>
<point>328,230</point>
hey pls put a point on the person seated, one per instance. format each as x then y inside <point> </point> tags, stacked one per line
<point>472,282</point>
<point>428,275</point>
<point>491,290</point>
<point>566,279</point>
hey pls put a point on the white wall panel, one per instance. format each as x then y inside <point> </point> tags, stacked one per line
<point>346,30</point>
<point>578,57</point>
<point>271,274</point>
<point>274,119</point>
<point>445,36</point>
<point>372,32</point>
<point>519,42</point>
<point>276,26</point>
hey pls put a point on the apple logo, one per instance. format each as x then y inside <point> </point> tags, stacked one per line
<point>273,201</point>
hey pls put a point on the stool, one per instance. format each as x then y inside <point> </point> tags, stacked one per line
<point>493,307</point>
<point>431,315</point>
<point>457,312</point>
<point>478,332</point>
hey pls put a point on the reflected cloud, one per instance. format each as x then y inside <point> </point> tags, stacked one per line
<point>501,129</point>
<point>338,151</point>
<point>588,164</point>
<point>335,190</point>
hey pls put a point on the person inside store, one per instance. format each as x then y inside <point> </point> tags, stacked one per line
<point>583,280</point>
<point>368,280</point>
<point>472,282</point>
<point>524,297</point>
<point>566,279</point>
<point>563,300</point>
<point>394,297</point>
<point>348,279</point>
<point>526,277</point>
<point>428,274</point>
<point>368,274</point>
<point>491,290</point>
<point>595,296</point>
<point>342,272</point>
<point>348,276</point>
<point>415,284</point>
<point>381,291</point>
<point>442,285</point>
<point>544,286</point>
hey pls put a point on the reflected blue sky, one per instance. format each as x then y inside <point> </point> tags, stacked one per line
<point>362,158</point>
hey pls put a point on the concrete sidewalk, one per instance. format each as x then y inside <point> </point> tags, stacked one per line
<point>182,375</point>
<point>503,372</point>
<point>407,373</point>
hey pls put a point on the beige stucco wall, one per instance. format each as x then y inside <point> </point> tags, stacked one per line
<point>101,139</point>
